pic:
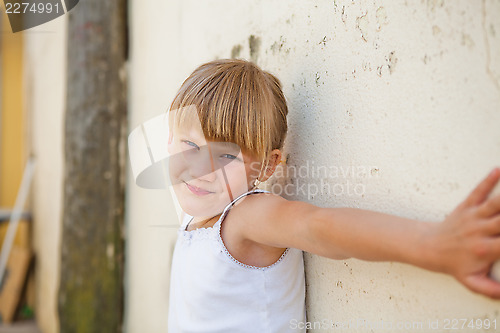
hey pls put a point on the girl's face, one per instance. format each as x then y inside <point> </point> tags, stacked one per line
<point>206,175</point>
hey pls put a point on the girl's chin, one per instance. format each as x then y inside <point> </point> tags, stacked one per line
<point>195,208</point>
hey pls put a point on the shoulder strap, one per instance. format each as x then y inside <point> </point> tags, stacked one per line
<point>186,219</point>
<point>232,203</point>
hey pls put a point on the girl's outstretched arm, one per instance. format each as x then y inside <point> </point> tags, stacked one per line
<point>464,245</point>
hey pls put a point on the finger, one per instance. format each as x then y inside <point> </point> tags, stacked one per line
<point>490,207</point>
<point>491,226</point>
<point>480,193</point>
<point>484,285</point>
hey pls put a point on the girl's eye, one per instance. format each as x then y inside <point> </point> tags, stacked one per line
<point>229,156</point>
<point>191,144</point>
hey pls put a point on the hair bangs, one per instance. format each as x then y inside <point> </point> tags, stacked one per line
<point>235,102</point>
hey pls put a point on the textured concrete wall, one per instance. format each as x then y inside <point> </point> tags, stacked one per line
<point>45,94</point>
<point>397,100</point>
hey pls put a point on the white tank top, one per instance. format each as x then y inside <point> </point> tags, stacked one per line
<point>212,292</point>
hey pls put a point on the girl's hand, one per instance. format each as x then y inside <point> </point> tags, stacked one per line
<point>467,243</point>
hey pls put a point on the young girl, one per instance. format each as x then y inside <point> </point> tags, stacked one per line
<point>238,264</point>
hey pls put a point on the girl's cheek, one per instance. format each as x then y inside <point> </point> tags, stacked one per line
<point>176,168</point>
<point>238,180</point>
<point>173,147</point>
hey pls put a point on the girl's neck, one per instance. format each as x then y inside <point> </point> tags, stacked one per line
<point>203,223</point>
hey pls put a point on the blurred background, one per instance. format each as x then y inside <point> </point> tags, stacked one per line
<point>402,98</point>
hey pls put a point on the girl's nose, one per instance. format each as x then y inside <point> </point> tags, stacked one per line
<point>203,166</point>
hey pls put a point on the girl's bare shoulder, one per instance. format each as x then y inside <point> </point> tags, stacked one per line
<point>255,209</point>
<point>262,203</point>
<point>271,208</point>
<point>272,220</point>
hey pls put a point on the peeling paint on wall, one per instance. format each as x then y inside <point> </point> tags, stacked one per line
<point>382,20</point>
<point>254,45</point>
<point>494,76</point>
<point>235,51</point>
<point>280,46</point>
<point>362,25</point>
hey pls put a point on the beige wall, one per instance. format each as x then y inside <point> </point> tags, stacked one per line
<point>402,97</point>
<point>154,74</point>
<point>45,94</point>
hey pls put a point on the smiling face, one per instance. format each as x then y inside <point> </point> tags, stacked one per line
<point>207,175</point>
<point>225,100</point>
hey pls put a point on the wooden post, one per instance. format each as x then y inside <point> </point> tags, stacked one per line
<point>91,285</point>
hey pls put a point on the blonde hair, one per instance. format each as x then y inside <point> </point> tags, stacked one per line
<point>236,102</point>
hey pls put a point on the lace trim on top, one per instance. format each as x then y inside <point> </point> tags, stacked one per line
<point>200,233</point>
<point>214,233</point>
<point>218,225</point>
<point>250,266</point>
<point>183,228</point>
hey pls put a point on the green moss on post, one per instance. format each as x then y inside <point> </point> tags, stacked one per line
<point>91,285</point>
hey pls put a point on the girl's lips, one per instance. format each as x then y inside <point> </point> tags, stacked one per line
<point>197,190</point>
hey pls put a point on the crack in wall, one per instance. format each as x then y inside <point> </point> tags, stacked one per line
<point>488,49</point>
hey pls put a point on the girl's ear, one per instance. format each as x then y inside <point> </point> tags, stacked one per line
<point>273,161</point>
